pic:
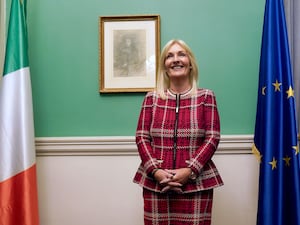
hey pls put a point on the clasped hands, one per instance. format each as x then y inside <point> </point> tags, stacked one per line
<point>172,179</point>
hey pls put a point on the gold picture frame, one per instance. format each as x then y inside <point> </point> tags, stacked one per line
<point>129,53</point>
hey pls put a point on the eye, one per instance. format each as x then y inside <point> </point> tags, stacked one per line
<point>182,54</point>
<point>168,56</point>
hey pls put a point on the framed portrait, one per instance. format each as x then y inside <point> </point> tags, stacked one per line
<point>129,53</point>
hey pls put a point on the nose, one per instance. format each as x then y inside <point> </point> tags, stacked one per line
<point>175,58</point>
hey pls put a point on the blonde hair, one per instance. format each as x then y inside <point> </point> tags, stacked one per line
<point>163,81</point>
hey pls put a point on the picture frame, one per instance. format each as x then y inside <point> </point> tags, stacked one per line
<point>129,53</point>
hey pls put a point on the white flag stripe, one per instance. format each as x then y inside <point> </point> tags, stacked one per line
<point>16,124</point>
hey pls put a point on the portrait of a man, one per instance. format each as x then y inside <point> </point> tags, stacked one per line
<point>129,53</point>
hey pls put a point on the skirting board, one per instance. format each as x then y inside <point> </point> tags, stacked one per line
<point>122,145</point>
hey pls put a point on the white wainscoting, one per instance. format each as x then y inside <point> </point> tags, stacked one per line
<point>88,181</point>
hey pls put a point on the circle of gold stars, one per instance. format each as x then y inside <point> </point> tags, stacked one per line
<point>290,93</point>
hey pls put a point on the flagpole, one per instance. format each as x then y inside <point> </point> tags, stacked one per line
<point>2,35</point>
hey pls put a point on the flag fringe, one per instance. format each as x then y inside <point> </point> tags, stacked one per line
<point>256,153</point>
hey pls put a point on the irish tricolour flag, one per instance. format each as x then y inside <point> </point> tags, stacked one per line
<point>18,186</point>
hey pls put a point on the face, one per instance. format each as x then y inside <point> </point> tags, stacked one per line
<point>177,62</point>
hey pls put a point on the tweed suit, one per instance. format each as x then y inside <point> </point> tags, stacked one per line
<point>195,129</point>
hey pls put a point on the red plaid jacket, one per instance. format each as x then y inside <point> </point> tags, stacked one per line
<point>169,140</point>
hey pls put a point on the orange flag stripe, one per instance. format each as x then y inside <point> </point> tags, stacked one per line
<point>19,202</point>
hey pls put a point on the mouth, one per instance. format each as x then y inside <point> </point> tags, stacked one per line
<point>176,67</point>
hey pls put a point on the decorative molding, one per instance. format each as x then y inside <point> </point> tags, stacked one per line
<point>122,145</point>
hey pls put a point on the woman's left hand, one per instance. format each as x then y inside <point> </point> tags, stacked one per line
<point>179,178</point>
<point>181,175</point>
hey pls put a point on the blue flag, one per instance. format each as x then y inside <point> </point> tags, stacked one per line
<point>275,138</point>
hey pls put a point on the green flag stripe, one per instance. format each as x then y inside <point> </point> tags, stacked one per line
<point>16,46</point>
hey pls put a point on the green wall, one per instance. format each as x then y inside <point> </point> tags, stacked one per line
<point>63,51</point>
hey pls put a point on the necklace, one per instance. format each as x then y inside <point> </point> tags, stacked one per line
<point>180,92</point>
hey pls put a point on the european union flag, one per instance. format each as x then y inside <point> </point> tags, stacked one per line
<point>275,138</point>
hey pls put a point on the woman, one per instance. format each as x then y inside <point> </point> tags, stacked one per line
<point>177,134</point>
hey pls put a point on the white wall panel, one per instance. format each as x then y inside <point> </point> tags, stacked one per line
<point>93,186</point>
